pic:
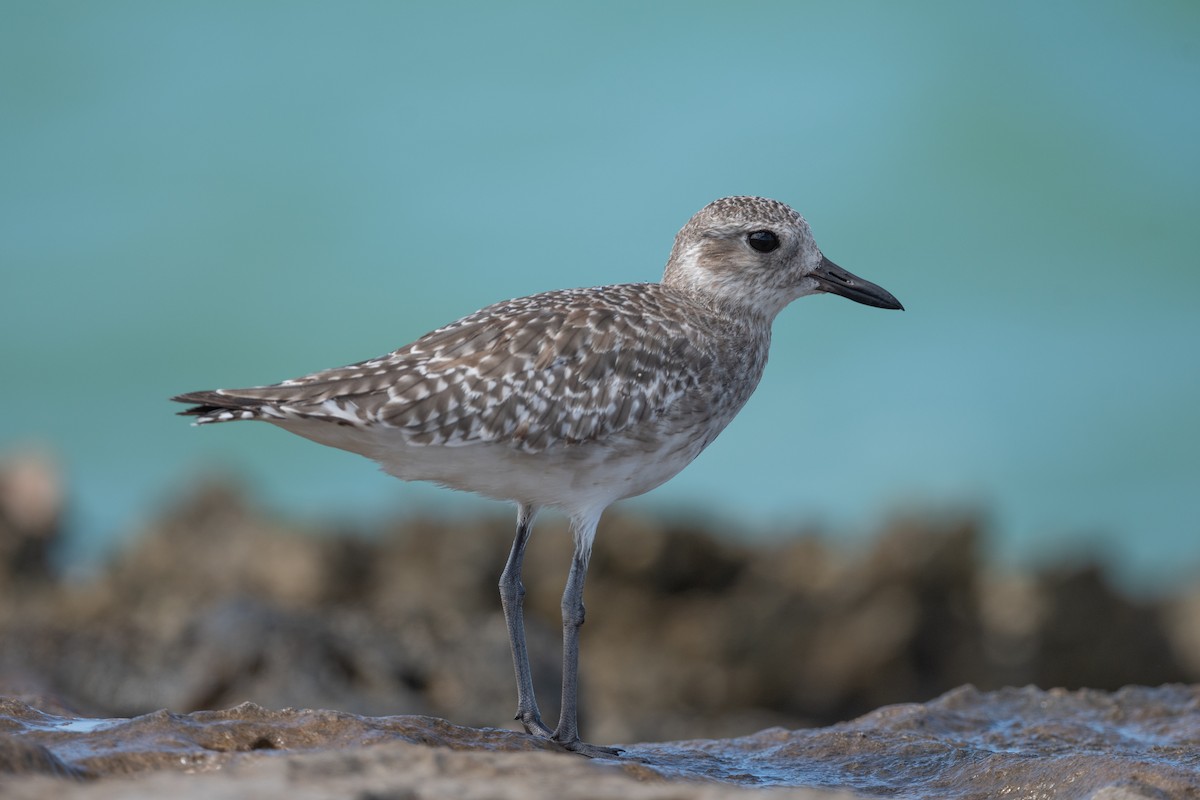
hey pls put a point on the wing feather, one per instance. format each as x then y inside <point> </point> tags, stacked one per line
<point>560,367</point>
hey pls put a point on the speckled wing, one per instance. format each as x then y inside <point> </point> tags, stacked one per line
<point>560,367</point>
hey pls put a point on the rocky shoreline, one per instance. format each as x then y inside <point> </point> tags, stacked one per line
<point>1135,743</point>
<point>689,635</point>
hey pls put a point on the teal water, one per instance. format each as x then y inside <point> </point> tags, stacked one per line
<point>201,195</point>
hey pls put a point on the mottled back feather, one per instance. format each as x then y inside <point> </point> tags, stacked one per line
<point>561,367</point>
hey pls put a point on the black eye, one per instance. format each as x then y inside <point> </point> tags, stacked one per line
<point>763,241</point>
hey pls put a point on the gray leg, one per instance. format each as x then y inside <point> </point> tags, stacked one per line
<point>512,595</point>
<point>567,732</point>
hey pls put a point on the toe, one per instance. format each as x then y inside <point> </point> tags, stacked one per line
<point>592,750</point>
<point>534,726</point>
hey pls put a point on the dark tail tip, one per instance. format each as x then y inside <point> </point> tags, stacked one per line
<point>210,402</point>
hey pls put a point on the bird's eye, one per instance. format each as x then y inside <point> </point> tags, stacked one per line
<point>763,241</point>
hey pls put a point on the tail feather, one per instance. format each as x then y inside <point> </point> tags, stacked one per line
<point>215,406</point>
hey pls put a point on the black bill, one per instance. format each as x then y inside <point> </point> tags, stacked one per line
<point>835,280</point>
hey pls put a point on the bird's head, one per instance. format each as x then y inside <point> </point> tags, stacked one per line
<point>758,254</point>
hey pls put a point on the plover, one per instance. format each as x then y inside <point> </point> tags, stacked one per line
<point>570,399</point>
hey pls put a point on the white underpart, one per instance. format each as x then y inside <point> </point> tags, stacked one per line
<point>578,479</point>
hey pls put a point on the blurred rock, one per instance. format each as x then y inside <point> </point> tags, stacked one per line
<point>31,511</point>
<point>1096,637</point>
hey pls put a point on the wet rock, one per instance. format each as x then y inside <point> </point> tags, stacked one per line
<point>20,757</point>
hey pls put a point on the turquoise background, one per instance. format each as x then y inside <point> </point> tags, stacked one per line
<point>196,195</point>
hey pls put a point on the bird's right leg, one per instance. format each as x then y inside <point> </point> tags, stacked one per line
<point>512,595</point>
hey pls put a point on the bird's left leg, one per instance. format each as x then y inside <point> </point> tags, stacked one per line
<point>567,732</point>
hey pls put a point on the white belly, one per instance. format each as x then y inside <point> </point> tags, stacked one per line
<point>572,477</point>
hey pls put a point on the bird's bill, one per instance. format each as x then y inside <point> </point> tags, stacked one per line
<point>835,280</point>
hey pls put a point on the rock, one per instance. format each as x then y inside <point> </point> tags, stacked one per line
<point>1134,743</point>
<point>688,634</point>
<point>32,502</point>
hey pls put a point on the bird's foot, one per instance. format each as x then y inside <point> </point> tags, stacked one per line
<point>571,743</point>
<point>536,728</point>
<point>534,725</point>
<point>589,750</point>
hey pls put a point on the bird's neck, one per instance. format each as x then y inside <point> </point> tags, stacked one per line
<point>734,305</point>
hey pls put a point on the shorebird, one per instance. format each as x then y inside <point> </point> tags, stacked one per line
<point>570,399</point>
